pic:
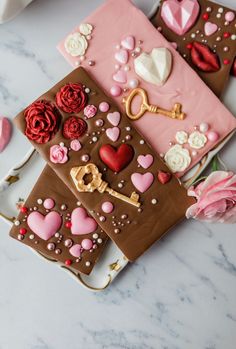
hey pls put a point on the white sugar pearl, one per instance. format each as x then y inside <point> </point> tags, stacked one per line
<point>39,201</point>
<point>204,127</point>
<point>220,10</point>
<point>17,223</point>
<point>133,83</point>
<point>99,240</point>
<point>95,236</point>
<point>87,264</point>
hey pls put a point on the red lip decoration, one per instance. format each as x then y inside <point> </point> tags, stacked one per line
<point>204,58</point>
<point>116,159</point>
<point>164,177</point>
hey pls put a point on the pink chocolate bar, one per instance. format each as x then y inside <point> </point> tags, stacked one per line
<point>122,50</point>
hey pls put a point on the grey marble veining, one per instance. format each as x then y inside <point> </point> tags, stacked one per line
<point>180,295</point>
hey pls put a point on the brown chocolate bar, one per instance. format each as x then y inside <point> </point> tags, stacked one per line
<point>105,162</point>
<point>55,224</point>
<point>206,38</point>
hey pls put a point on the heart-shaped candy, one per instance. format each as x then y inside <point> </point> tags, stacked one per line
<point>210,28</point>
<point>113,133</point>
<point>114,118</point>
<point>75,250</point>
<point>142,182</point>
<point>44,226</point>
<point>164,177</point>
<point>5,133</point>
<point>145,160</point>
<point>81,223</point>
<point>181,15</point>
<point>118,159</point>
<point>154,67</point>
<point>128,42</point>
<point>122,56</point>
<point>120,76</point>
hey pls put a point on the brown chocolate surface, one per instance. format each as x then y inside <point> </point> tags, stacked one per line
<point>133,229</point>
<point>216,42</point>
<point>49,186</point>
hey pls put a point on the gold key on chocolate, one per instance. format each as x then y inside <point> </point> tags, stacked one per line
<point>175,113</point>
<point>78,175</point>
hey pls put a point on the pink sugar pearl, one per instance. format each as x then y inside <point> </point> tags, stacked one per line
<point>115,91</point>
<point>104,107</point>
<point>107,207</point>
<point>213,136</point>
<point>49,204</point>
<point>87,244</point>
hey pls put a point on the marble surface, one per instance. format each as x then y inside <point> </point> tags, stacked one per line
<point>179,295</point>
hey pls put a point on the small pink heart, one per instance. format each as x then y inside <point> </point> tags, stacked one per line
<point>5,133</point>
<point>210,28</point>
<point>181,15</point>
<point>113,133</point>
<point>44,226</point>
<point>75,250</point>
<point>81,223</point>
<point>142,182</point>
<point>128,42</point>
<point>122,56</point>
<point>120,76</point>
<point>114,118</point>
<point>145,160</point>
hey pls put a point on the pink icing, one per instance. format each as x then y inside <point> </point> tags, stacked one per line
<point>58,154</point>
<point>114,118</point>
<point>90,111</point>
<point>49,204</point>
<point>183,86</point>
<point>145,160</point>
<point>87,244</point>
<point>142,182</point>
<point>81,222</point>
<point>128,42</point>
<point>104,107</point>
<point>113,133</point>
<point>44,226</point>
<point>75,250</point>
<point>107,207</point>
<point>75,145</point>
<point>122,56</point>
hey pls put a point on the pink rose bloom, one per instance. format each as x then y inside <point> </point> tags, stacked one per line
<point>58,154</point>
<point>216,199</point>
<point>90,111</point>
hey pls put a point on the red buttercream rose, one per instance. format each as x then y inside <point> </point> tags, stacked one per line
<point>74,128</point>
<point>71,98</point>
<point>42,121</point>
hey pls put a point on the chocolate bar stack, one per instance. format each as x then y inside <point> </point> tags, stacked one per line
<point>114,163</point>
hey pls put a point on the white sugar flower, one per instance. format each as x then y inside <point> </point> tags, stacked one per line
<point>86,28</point>
<point>197,140</point>
<point>177,158</point>
<point>181,137</point>
<point>76,44</point>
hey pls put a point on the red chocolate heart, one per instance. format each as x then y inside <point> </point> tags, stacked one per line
<point>204,58</point>
<point>116,159</point>
<point>164,177</point>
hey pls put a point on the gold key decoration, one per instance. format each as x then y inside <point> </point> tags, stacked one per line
<point>78,175</point>
<point>175,113</point>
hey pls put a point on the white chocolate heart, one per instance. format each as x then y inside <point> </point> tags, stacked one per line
<point>154,67</point>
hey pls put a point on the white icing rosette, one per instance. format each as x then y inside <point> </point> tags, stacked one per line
<point>197,140</point>
<point>181,137</point>
<point>76,44</point>
<point>177,158</point>
<point>86,28</point>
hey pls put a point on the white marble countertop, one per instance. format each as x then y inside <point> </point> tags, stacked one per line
<point>179,295</point>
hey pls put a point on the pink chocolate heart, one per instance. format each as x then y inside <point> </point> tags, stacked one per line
<point>142,182</point>
<point>122,56</point>
<point>128,42</point>
<point>113,133</point>
<point>44,226</point>
<point>5,133</point>
<point>81,223</point>
<point>120,76</point>
<point>180,16</point>
<point>114,118</point>
<point>145,160</point>
<point>210,28</point>
<point>75,250</point>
